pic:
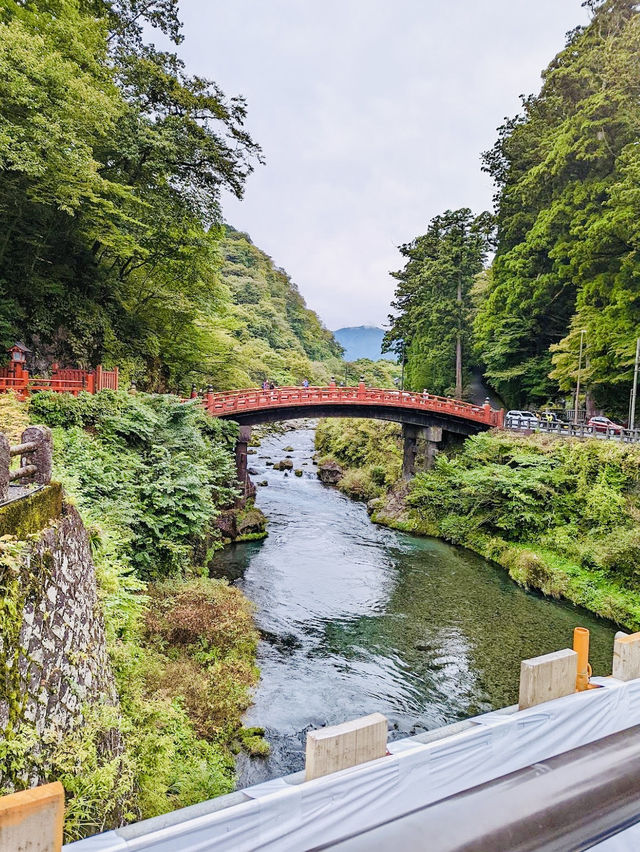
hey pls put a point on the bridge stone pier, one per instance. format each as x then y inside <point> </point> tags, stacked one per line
<point>247,488</point>
<point>421,446</point>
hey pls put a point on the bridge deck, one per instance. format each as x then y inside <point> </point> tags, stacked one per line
<point>228,404</point>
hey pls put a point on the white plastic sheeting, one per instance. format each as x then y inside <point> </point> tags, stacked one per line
<point>282,816</point>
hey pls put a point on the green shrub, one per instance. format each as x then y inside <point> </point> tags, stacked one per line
<point>359,485</point>
<point>379,475</point>
<point>156,468</point>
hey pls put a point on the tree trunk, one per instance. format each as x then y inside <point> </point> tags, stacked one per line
<point>459,347</point>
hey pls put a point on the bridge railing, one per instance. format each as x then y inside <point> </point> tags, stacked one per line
<point>65,380</point>
<point>256,399</point>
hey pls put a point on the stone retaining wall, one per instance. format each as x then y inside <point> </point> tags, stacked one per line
<point>53,654</point>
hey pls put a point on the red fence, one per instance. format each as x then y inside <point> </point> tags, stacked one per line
<point>67,380</point>
<point>232,402</point>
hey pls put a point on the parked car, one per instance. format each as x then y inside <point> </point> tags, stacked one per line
<point>603,424</point>
<point>521,420</point>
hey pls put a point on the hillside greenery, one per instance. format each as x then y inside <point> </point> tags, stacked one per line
<point>566,171</point>
<point>113,247</point>
<point>272,334</point>
<point>149,475</point>
<point>566,240</point>
<point>561,515</point>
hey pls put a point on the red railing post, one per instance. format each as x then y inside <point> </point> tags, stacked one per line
<point>116,378</point>
<point>91,382</point>
<point>209,403</point>
<point>194,392</point>
<point>362,388</point>
<point>98,381</point>
<point>332,383</point>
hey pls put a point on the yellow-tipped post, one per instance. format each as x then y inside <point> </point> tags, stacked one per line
<point>581,647</point>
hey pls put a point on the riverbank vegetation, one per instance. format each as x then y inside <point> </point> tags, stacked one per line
<point>368,451</point>
<point>560,515</point>
<point>149,476</point>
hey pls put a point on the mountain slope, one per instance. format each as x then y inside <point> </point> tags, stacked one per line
<point>362,341</point>
<point>273,335</point>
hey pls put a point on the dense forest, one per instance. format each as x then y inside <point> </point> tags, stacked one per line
<point>566,239</point>
<point>113,246</point>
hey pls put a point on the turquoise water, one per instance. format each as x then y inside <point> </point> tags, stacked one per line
<point>357,618</point>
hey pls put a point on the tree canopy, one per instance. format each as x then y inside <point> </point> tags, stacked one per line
<point>433,300</point>
<point>114,160</point>
<point>566,172</point>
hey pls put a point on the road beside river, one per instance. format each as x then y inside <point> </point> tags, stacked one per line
<point>356,618</point>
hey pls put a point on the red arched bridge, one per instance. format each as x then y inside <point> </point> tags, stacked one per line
<point>428,421</point>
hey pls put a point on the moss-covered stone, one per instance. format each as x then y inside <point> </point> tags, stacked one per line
<point>31,514</point>
<point>242,524</point>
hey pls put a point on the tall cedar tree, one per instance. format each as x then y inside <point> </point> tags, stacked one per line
<point>433,302</point>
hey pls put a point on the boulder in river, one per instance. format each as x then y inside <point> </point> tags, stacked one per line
<point>298,472</point>
<point>241,524</point>
<point>263,483</point>
<point>288,449</point>
<point>285,464</point>
<point>329,472</point>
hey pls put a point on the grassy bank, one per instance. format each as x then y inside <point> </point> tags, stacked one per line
<point>150,476</point>
<point>368,451</point>
<point>559,515</point>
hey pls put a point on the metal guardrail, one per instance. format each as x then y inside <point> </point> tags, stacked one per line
<point>571,430</point>
<point>573,800</point>
<point>35,452</point>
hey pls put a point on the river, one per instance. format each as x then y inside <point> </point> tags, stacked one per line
<point>356,618</point>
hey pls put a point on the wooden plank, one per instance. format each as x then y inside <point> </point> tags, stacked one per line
<point>349,744</point>
<point>547,677</point>
<point>626,656</point>
<point>31,821</point>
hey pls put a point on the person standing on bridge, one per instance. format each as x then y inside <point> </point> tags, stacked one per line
<point>305,383</point>
<point>265,385</point>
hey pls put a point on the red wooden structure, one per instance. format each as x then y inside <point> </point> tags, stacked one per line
<point>228,403</point>
<point>16,377</point>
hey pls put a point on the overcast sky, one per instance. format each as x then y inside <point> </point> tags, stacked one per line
<point>372,115</point>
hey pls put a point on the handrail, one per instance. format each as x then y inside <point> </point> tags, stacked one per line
<point>35,451</point>
<point>571,430</point>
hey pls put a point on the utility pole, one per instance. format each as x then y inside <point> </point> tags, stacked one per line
<point>632,418</point>
<point>402,373</point>
<point>583,331</point>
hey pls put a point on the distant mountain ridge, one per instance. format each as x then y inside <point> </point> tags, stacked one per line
<point>362,341</point>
